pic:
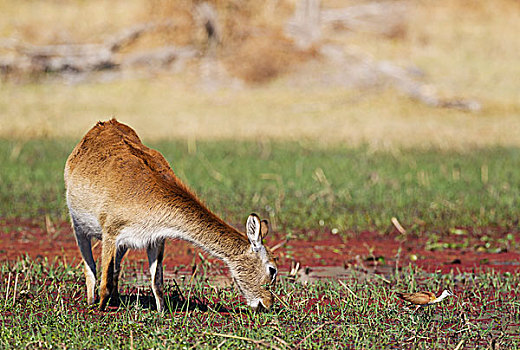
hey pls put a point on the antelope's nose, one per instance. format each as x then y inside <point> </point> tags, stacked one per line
<point>267,302</point>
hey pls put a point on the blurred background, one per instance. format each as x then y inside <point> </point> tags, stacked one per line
<point>387,74</point>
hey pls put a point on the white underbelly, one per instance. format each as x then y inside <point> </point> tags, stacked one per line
<point>88,223</point>
<point>134,237</point>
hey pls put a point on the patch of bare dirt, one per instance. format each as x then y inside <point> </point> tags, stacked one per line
<point>370,251</point>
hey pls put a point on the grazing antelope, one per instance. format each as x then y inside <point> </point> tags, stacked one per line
<point>126,194</point>
<point>421,299</point>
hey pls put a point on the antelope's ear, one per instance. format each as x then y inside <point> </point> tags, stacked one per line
<point>264,228</point>
<point>253,228</point>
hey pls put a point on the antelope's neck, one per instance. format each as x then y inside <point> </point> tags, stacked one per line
<point>207,231</point>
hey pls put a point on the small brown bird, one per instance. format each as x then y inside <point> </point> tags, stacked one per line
<point>421,299</point>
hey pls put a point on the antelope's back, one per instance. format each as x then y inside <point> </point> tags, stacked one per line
<point>111,167</point>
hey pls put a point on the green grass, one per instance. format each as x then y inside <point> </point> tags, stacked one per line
<point>47,309</point>
<point>299,185</point>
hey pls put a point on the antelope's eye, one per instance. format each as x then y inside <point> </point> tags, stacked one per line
<point>272,272</point>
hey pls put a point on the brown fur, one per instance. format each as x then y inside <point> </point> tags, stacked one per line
<point>129,191</point>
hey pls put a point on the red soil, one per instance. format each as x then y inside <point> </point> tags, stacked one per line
<point>318,248</point>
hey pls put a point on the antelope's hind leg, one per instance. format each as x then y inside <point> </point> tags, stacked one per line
<point>155,260</point>
<point>81,231</point>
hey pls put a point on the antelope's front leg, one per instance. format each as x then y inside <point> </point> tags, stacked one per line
<point>120,253</point>
<point>107,273</point>
<point>155,260</point>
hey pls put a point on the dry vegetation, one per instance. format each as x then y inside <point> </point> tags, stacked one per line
<point>247,37</point>
<point>462,48</point>
<point>250,34</point>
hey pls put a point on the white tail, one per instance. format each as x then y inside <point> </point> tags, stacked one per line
<point>126,194</point>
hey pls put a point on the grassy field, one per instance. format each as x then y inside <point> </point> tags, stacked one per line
<point>310,158</point>
<point>299,186</point>
<point>42,305</point>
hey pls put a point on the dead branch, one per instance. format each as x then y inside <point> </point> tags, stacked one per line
<point>352,68</point>
<point>400,78</point>
<point>160,57</point>
<point>130,35</point>
<point>358,69</point>
<point>81,57</point>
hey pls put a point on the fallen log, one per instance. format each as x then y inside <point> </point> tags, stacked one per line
<point>160,57</point>
<point>74,57</point>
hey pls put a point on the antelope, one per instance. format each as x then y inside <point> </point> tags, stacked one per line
<point>126,194</point>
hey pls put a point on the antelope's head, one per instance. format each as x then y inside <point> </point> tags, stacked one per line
<point>255,270</point>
